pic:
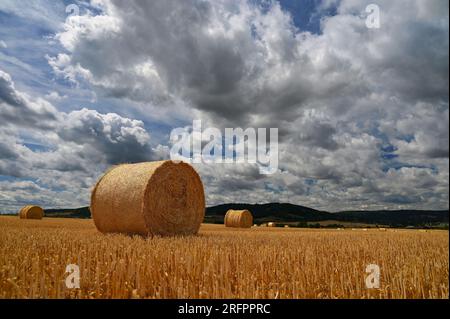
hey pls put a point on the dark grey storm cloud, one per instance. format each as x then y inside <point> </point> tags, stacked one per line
<point>120,140</point>
<point>78,146</point>
<point>337,97</point>
<point>244,66</point>
<point>362,113</point>
<point>18,109</point>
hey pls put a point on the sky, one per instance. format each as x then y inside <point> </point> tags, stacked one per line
<point>362,113</point>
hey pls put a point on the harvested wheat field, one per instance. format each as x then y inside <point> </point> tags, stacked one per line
<point>219,262</point>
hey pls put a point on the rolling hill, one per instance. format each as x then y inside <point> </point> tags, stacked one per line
<point>82,212</point>
<point>290,213</point>
<point>278,212</point>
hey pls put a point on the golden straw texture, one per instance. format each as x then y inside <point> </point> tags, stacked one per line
<point>31,212</point>
<point>238,218</point>
<point>21,215</point>
<point>152,198</point>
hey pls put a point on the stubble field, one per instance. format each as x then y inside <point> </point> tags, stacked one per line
<point>219,262</point>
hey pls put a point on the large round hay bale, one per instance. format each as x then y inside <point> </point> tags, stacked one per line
<point>31,212</point>
<point>152,198</point>
<point>238,218</point>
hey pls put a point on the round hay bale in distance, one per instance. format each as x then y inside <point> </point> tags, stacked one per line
<point>271,224</point>
<point>152,198</point>
<point>31,212</point>
<point>238,218</point>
